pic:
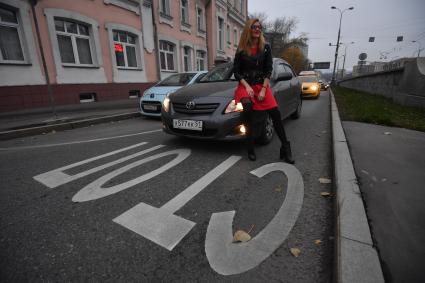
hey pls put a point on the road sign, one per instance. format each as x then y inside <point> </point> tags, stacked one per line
<point>362,56</point>
<point>321,65</point>
<point>372,39</point>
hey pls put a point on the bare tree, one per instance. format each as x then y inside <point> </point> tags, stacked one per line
<point>278,32</point>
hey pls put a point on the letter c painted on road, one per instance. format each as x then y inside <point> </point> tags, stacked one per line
<point>228,258</point>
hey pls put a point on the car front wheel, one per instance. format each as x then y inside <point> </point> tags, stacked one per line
<point>267,133</point>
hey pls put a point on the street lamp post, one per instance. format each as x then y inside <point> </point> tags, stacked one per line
<point>419,48</point>
<point>339,34</point>
<point>345,56</point>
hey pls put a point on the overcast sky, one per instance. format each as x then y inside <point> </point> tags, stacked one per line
<point>383,19</point>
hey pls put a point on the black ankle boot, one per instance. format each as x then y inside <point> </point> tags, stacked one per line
<point>251,155</point>
<point>286,153</point>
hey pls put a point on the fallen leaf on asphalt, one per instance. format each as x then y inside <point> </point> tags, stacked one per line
<point>325,180</point>
<point>325,194</point>
<point>387,133</point>
<point>383,179</point>
<point>365,172</point>
<point>242,236</point>
<point>374,179</point>
<point>295,252</point>
<point>317,242</point>
<point>53,131</point>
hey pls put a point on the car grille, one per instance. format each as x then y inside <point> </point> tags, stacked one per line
<point>203,133</point>
<point>202,108</point>
<point>153,103</point>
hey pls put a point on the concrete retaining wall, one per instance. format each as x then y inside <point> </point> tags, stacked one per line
<point>405,85</point>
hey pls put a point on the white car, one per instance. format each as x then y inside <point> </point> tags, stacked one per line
<point>151,101</point>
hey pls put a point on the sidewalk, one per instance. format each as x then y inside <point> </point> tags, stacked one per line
<point>36,121</point>
<point>390,165</point>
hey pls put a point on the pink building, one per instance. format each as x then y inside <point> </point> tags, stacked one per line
<point>102,50</point>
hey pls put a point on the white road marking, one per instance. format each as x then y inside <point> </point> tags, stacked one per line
<point>228,258</point>
<point>57,177</point>
<point>77,142</point>
<point>94,190</point>
<point>160,225</point>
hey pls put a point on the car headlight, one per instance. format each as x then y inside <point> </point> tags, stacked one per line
<point>233,107</point>
<point>166,104</point>
<point>313,87</point>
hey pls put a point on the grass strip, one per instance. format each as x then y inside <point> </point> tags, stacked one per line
<point>354,105</point>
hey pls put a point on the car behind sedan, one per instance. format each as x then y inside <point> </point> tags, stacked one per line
<point>310,86</point>
<point>207,110</point>
<point>151,101</point>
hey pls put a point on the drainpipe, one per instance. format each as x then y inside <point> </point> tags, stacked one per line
<point>206,31</point>
<point>46,73</point>
<point>155,38</point>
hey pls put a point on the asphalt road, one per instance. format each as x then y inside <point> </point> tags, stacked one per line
<point>89,223</point>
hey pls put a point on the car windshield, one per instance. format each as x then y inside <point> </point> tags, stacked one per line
<point>308,79</point>
<point>220,73</point>
<point>177,80</point>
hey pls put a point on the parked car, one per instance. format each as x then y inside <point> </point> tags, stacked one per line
<point>323,85</point>
<point>207,110</point>
<point>151,101</point>
<point>310,86</point>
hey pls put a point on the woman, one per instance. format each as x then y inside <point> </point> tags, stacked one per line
<point>253,66</point>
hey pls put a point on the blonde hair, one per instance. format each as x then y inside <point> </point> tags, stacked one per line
<point>245,41</point>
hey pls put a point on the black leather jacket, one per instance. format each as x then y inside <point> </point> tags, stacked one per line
<point>254,69</point>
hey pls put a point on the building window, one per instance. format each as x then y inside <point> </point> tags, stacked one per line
<point>125,46</point>
<point>74,42</point>
<point>10,40</point>
<point>220,33</point>
<point>184,11</point>
<point>165,8</point>
<point>200,19</point>
<point>166,55</point>
<point>228,34</point>
<point>200,60</point>
<point>235,37</point>
<point>241,6</point>
<point>187,62</point>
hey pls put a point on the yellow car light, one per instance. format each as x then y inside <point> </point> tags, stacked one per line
<point>313,87</point>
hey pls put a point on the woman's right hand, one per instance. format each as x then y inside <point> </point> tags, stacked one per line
<point>249,90</point>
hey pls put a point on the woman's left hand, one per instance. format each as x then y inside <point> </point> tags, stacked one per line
<point>262,94</point>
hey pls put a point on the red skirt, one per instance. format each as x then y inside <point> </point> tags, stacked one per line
<point>268,102</point>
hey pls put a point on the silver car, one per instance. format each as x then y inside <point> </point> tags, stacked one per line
<point>207,110</point>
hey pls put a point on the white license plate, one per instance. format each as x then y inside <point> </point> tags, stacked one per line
<point>150,107</point>
<point>187,124</point>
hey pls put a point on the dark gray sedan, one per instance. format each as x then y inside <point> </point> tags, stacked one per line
<point>207,110</point>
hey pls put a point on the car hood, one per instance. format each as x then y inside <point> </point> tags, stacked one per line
<point>213,89</point>
<point>162,90</point>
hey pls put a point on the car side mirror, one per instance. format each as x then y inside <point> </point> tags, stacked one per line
<point>284,76</point>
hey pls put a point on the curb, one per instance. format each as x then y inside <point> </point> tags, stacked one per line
<point>7,135</point>
<point>357,259</point>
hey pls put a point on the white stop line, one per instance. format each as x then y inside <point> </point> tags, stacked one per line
<point>163,227</point>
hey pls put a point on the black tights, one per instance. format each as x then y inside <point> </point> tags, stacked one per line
<point>251,123</point>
